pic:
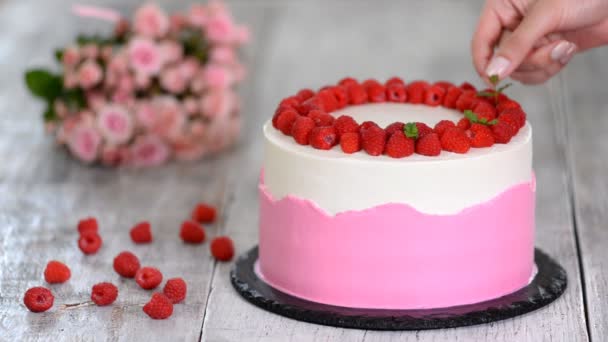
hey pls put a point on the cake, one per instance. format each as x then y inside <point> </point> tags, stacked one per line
<point>397,196</point>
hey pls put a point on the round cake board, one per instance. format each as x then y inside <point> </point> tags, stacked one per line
<point>548,284</point>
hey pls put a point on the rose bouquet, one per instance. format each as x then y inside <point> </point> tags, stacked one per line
<point>159,88</point>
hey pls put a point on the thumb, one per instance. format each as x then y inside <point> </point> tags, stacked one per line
<point>540,21</point>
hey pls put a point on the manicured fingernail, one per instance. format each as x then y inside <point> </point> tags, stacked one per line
<point>498,66</point>
<point>563,52</point>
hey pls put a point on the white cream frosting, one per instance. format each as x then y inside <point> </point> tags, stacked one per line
<point>445,184</point>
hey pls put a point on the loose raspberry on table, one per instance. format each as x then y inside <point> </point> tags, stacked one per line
<point>429,145</point>
<point>463,123</point>
<point>423,129</point>
<point>394,127</point>
<point>88,225</point>
<point>485,110</point>
<point>442,125</point>
<point>321,118</point>
<point>126,264</point>
<point>394,81</point>
<point>204,213</point>
<point>396,93</point>
<point>356,93</point>
<point>305,94</point>
<point>416,91</point>
<point>222,248</point>
<point>159,307</point>
<point>175,289</point>
<point>502,132</point>
<point>434,95</point>
<point>481,136</point>
<point>89,243</point>
<point>323,138</point>
<point>192,232</point>
<point>373,140</point>
<point>345,124</point>
<point>301,129</point>
<point>399,146</point>
<point>56,272</point>
<point>350,142</point>
<point>104,294</point>
<point>38,299</point>
<point>148,277</point>
<point>285,120</point>
<point>455,140</point>
<point>451,96</point>
<point>141,233</point>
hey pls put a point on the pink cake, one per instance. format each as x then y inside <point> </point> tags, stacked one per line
<point>397,230</point>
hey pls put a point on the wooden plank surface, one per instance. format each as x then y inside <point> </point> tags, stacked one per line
<point>297,44</point>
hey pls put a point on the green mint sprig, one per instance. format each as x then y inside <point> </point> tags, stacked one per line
<point>473,118</point>
<point>411,130</point>
<point>495,93</point>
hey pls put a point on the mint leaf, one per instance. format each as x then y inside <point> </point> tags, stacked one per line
<point>501,89</point>
<point>493,122</point>
<point>411,130</point>
<point>44,84</point>
<point>494,79</point>
<point>470,115</point>
<point>483,121</point>
<point>486,94</point>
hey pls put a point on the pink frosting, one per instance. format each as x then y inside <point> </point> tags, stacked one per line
<point>395,257</point>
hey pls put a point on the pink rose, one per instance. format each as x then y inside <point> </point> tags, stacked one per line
<point>188,68</point>
<point>70,80</point>
<point>149,150</point>
<point>189,150</point>
<point>115,156</point>
<point>171,80</point>
<point>126,83</point>
<point>198,129</point>
<point>177,22</point>
<point>84,142</point>
<point>218,103</point>
<point>115,124</point>
<point>198,84</point>
<point>119,64</point>
<point>169,117</point>
<point>198,16</point>
<point>90,51</point>
<point>71,57</point>
<point>95,99</point>
<point>191,105</point>
<point>217,137</point>
<point>217,76</point>
<point>223,55</point>
<point>106,53</point>
<point>89,74</point>
<point>171,51</point>
<point>220,29</point>
<point>60,108</point>
<point>142,81</point>
<point>151,21</point>
<point>122,97</point>
<point>145,56</point>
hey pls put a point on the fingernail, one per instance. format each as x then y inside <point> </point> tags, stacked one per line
<point>563,52</point>
<point>498,66</point>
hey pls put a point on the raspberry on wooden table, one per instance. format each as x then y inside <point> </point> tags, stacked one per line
<point>148,278</point>
<point>89,243</point>
<point>141,233</point>
<point>88,225</point>
<point>175,289</point>
<point>222,248</point>
<point>126,264</point>
<point>192,232</point>
<point>104,294</point>
<point>38,299</point>
<point>56,272</point>
<point>159,307</point>
<point>204,213</point>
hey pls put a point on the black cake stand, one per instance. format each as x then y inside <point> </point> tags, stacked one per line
<point>548,284</point>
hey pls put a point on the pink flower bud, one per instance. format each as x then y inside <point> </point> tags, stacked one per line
<point>89,74</point>
<point>150,21</point>
<point>219,29</point>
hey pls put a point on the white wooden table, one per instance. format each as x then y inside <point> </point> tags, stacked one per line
<point>296,44</point>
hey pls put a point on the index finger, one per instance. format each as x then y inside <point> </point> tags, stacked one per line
<point>487,34</point>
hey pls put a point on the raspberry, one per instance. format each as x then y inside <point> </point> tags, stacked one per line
<point>89,243</point>
<point>276,115</point>
<point>515,117</point>
<point>465,101</point>
<point>423,129</point>
<point>444,84</point>
<point>370,83</point>
<point>455,140</point>
<point>373,140</point>
<point>285,121</point>
<point>367,125</point>
<point>416,91</point>
<point>292,102</point>
<point>222,248</point>
<point>148,277</point>
<point>56,272</point>
<point>429,145</point>
<point>126,264</point>
<point>345,124</point>
<point>394,127</point>
<point>328,100</point>
<point>356,94</point>
<point>485,110</point>
<point>159,307</point>
<point>341,95</point>
<point>451,96</point>
<point>310,104</point>
<point>192,232</point>
<point>507,104</point>
<point>87,225</point>
<point>376,93</point>
<point>38,299</point>
<point>104,293</point>
<point>434,96</point>
<point>305,94</point>
<point>394,81</point>
<point>321,118</point>
<point>204,213</point>
<point>175,289</point>
<point>481,136</point>
<point>466,86</point>
<point>396,93</point>
<point>502,132</point>
<point>141,233</point>
<point>350,142</point>
<point>301,129</point>
<point>399,146</point>
<point>347,81</point>
<point>464,124</point>
<point>442,125</point>
<point>323,138</point>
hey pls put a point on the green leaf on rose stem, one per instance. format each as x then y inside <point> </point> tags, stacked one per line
<point>411,130</point>
<point>49,113</point>
<point>493,122</point>
<point>59,55</point>
<point>471,116</point>
<point>43,84</point>
<point>494,79</point>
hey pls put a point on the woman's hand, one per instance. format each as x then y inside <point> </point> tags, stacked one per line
<point>535,39</point>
